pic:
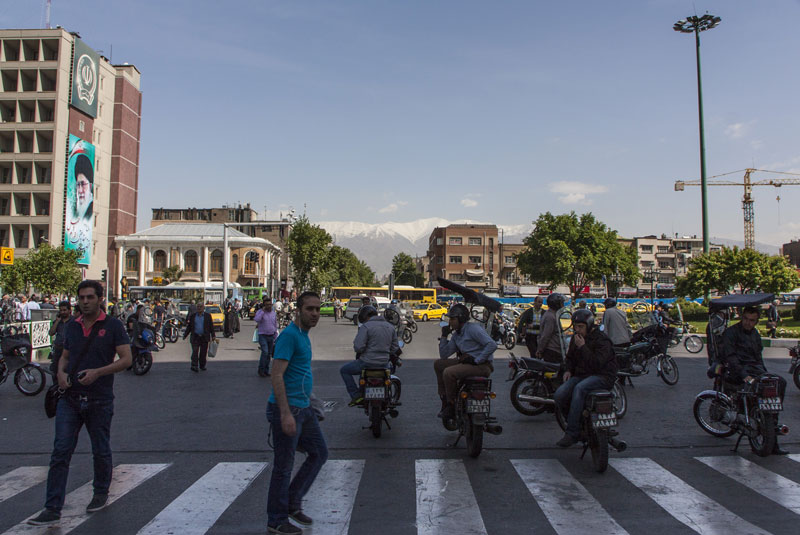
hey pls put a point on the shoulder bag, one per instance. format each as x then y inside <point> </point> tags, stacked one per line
<point>55,393</point>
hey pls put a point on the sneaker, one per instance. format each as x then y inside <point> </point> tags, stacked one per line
<point>98,502</point>
<point>355,402</point>
<point>566,441</point>
<point>48,516</point>
<point>301,518</point>
<point>195,368</point>
<point>285,529</point>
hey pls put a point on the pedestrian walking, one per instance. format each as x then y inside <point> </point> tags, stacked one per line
<point>86,372</point>
<point>228,322</point>
<point>58,330</point>
<point>773,319</point>
<point>293,422</point>
<point>267,324</point>
<point>201,328</point>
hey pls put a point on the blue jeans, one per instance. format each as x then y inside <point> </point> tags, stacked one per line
<point>267,344</point>
<point>285,496</point>
<point>348,371</point>
<point>571,396</point>
<point>72,413</point>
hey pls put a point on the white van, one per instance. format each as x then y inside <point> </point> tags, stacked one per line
<point>354,305</point>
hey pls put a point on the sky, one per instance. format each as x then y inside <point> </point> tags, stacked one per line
<point>384,110</point>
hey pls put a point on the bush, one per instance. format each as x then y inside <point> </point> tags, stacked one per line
<point>796,311</point>
<point>692,311</point>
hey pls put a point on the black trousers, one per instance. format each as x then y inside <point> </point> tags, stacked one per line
<point>199,350</point>
<point>530,341</point>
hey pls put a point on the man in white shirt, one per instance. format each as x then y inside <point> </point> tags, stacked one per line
<point>32,304</point>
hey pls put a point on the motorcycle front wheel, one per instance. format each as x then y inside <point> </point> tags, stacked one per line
<point>710,412</point>
<point>375,420</point>
<point>510,341</point>
<point>407,336</point>
<point>620,399</point>
<point>142,363</point>
<point>796,377</point>
<point>172,334</point>
<point>412,325</point>
<point>30,380</point>
<point>693,343</point>
<point>394,390</point>
<point>599,447</point>
<point>474,439</point>
<point>668,369</point>
<point>529,386</point>
<point>160,343</point>
<point>764,441</point>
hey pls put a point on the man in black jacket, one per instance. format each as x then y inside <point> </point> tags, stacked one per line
<point>591,365</point>
<point>201,327</point>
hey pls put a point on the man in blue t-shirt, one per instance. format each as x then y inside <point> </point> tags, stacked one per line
<point>293,422</point>
<point>86,373</point>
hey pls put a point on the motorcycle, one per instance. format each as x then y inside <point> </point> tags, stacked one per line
<point>598,420</point>
<point>794,367</point>
<point>636,359</point>
<point>535,383</point>
<point>750,410</point>
<point>143,344</point>
<point>29,377</point>
<point>380,389</point>
<point>473,413</point>
<point>401,324</point>
<point>172,328</point>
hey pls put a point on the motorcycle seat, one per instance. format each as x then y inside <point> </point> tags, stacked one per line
<point>374,372</point>
<point>539,365</point>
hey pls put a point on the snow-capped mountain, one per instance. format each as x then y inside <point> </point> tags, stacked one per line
<point>376,244</point>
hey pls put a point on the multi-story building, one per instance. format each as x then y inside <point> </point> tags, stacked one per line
<point>274,231</point>
<point>465,253</point>
<point>663,259</point>
<point>69,146</point>
<point>791,250</point>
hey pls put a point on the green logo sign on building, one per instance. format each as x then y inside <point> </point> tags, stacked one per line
<point>85,82</point>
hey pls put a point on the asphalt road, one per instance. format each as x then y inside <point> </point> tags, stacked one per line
<point>192,457</point>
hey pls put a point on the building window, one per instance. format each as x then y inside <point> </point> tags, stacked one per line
<point>159,261</point>
<point>509,276</point>
<point>509,260</point>
<point>438,260</point>
<point>456,276</point>
<point>646,249</point>
<point>216,261</point>
<point>455,259</point>
<point>235,261</point>
<point>454,241</point>
<point>190,262</point>
<point>664,265</point>
<point>251,263</point>
<point>474,259</point>
<point>664,279</point>
<point>439,241</point>
<point>474,241</point>
<point>132,260</point>
<point>663,249</point>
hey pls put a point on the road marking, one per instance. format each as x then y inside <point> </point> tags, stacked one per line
<point>769,484</point>
<point>21,479</point>
<point>795,457</point>
<point>201,505</point>
<point>687,505</point>
<point>445,501</point>
<point>126,478</point>
<point>568,506</point>
<point>331,498</point>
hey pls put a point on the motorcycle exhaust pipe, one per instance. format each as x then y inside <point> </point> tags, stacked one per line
<point>619,445</point>
<point>783,429</point>
<point>493,429</point>
<point>536,399</point>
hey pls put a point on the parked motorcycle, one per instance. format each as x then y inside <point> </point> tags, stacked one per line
<point>143,344</point>
<point>29,377</point>
<point>172,328</point>
<point>636,359</point>
<point>473,413</point>
<point>794,367</point>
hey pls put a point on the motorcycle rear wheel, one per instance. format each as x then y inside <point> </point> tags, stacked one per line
<point>407,336</point>
<point>561,419</point>
<point>510,341</point>
<point>763,443</point>
<point>474,439</point>
<point>375,420</point>
<point>394,390</point>
<point>620,399</point>
<point>599,447</point>
<point>142,363</point>
<point>668,369</point>
<point>30,380</point>
<point>172,334</point>
<point>693,343</point>
<point>708,410</point>
<point>531,386</point>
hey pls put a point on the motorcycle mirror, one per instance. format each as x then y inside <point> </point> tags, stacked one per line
<point>444,323</point>
<point>401,343</point>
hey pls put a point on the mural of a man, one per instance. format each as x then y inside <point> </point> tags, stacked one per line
<point>80,199</point>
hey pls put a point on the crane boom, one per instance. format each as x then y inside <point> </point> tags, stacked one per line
<point>747,199</point>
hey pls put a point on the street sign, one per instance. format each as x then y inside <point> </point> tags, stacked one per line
<point>7,256</point>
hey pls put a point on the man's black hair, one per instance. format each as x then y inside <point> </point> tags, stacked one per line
<point>752,310</point>
<point>302,297</point>
<point>83,166</point>
<point>89,283</point>
<point>65,303</point>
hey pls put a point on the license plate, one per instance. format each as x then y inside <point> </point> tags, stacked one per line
<point>478,405</point>
<point>375,393</point>
<point>770,404</point>
<point>604,420</point>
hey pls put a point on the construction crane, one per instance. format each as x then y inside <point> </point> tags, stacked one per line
<point>747,199</point>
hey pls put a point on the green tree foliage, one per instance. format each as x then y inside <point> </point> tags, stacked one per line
<point>308,249</point>
<point>744,270</point>
<point>172,273</point>
<point>405,271</point>
<point>345,269</point>
<point>572,250</point>
<point>48,269</point>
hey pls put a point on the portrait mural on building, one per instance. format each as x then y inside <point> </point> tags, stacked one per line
<point>80,197</point>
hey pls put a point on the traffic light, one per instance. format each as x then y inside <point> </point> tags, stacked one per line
<point>104,275</point>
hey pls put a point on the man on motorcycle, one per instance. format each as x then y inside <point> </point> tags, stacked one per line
<point>375,341</point>
<point>740,351</point>
<point>591,365</point>
<point>615,323</point>
<point>475,355</point>
<point>549,343</point>
<point>530,322</point>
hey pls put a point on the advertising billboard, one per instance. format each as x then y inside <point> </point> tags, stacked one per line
<point>85,78</point>
<point>80,195</point>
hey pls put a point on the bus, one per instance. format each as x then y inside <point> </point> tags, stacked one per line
<point>404,293</point>
<point>208,292</point>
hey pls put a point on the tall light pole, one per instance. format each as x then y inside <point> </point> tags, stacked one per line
<point>696,25</point>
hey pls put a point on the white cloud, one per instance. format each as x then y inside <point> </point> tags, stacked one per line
<point>469,203</point>
<point>576,192</point>
<point>738,130</point>
<point>393,207</point>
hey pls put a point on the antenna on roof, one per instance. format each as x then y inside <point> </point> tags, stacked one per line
<point>47,14</point>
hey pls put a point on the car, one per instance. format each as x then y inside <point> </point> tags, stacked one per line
<point>183,310</point>
<point>326,308</point>
<point>217,315</point>
<point>428,311</point>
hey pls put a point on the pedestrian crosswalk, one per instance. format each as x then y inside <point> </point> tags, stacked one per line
<point>448,497</point>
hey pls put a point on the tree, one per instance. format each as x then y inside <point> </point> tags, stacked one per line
<point>405,270</point>
<point>12,278</point>
<point>572,250</point>
<point>172,273</point>
<point>345,269</point>
<point>743,269</point>
<point>51,269</point>
<point>308,249</point>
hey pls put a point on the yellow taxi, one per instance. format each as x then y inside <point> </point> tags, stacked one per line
<point>428,311</point>
<point>217,316</point>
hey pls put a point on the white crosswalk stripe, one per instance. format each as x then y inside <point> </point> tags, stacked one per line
<point>331,498</point>
<point>196,510</point>
<point>445,501</point>
<point>126,477</point>
<point>21,479</point>
<point>795,457</point>
<point>689,506</point>
<point>774,486</point>
<point>566,503</point>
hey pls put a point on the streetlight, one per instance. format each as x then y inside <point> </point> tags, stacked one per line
<point>650,276</point>
<point>696,25</point>
<point>617,278</point>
